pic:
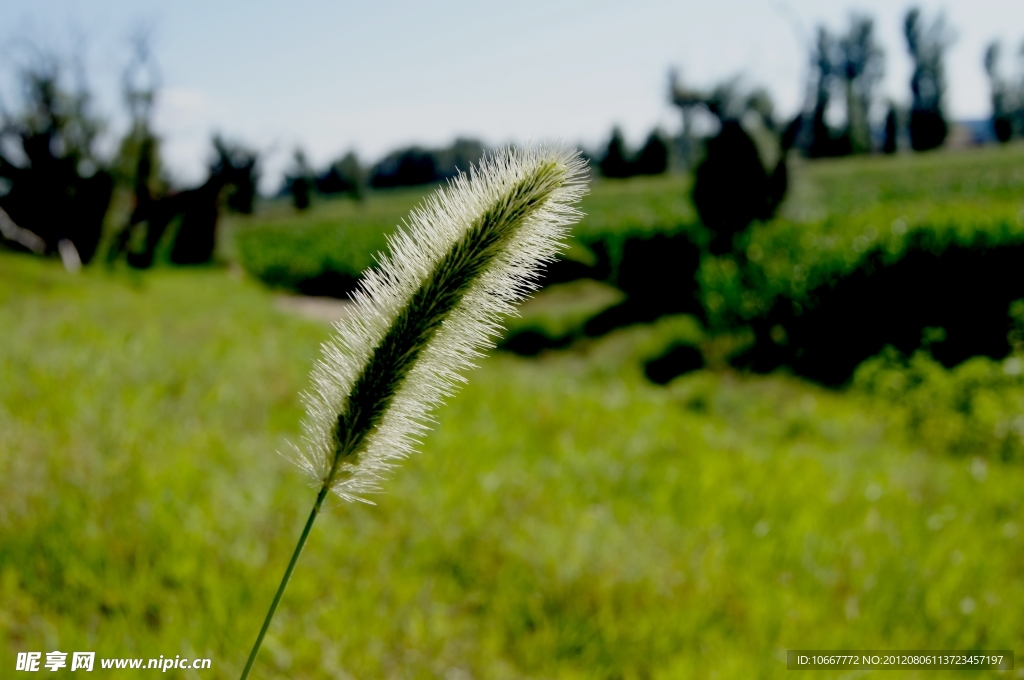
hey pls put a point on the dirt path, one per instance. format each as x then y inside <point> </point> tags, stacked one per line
<point>326,309</point>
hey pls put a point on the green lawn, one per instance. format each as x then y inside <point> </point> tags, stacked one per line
<point>566,519</point>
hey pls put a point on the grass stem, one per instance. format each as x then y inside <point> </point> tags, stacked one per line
<point>284,581</point>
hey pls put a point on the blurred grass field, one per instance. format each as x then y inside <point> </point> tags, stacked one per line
<point>566,518</point>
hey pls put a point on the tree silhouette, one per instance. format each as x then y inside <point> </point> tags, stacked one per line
<point>138,158</point>
<point>732,187</point>
<point>1006,104</point>
<point>860,66</point>
<point>240,168</point>
<point>615,162</point>
<point>450,161</point>
<point>299,180</point>
<point>195,211</point>
<point>891,130</point>
<point>59,189</point>
<point>618,162</point>
<point>926,44</point>
<point>689,101</point>
<point>653,157</point>
<point>343,176</point>
<point>416,165</point>
<point>823,142</point>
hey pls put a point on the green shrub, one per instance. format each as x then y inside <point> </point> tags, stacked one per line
<point>844,212</point>
<point>974,409</point>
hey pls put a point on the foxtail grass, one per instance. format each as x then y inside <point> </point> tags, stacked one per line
<point>463,260</point>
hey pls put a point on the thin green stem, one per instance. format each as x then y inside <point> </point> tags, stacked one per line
<point>284,581</point>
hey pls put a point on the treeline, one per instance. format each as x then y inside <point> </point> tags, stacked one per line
<point>409,166</point>
<point>619,161</point>
<point>843,113</point>
<point>1007,95</point>
<point>846,69</point>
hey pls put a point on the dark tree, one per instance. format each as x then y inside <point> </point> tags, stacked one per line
<point>299,180</point>
<point>848,66</point>
<point>619,163</point>
<point>653,157</point>
<point>233,176</point>
<point>732,188</point>
<point>860,67</point>
<point>196,211</point>
<point>1005,108</point>
<point>239,166</point>
<point>689,101</point>
<point>463,153</point>
<point>726,101</point>
<point>138,158</point>
<point>823,142</point>
<point>58,189</point>
<point>415,165</point>
<point>406,167</point>
<point>138,161</point>
<point>891,130</point>
<point>343,176</point>
<point>928,127</point>
<point>616,162</point>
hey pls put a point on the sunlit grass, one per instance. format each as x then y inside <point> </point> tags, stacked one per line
<point>566,519</point>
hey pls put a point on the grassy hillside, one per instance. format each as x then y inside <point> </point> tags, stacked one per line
<point>339,237</point>
<point>838,212</point>
<point>566,518</point>
<point>285,248</point>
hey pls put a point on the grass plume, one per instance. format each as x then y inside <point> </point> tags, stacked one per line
<point>465,258</point>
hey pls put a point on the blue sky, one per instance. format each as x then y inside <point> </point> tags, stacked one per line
<point>334,76</point>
